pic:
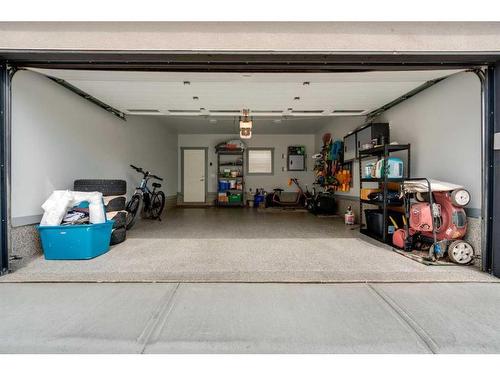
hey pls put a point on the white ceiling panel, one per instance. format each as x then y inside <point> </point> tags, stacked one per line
<point>265,94</point>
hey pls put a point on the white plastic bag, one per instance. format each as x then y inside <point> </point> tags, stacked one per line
<point>60,201</point>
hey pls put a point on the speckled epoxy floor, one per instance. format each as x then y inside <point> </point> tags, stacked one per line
<point>244,245</point>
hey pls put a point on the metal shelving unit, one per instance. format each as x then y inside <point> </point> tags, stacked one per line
<point>381,152</point>
<point>238,164</point>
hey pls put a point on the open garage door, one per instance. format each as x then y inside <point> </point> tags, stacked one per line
<point>274,64</point>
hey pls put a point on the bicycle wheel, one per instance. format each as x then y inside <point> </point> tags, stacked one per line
<point>132,209</point>
<point>157,204</point>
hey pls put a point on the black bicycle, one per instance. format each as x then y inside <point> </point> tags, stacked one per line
<point>154,201</point>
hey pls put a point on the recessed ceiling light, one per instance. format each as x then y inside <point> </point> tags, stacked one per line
<point>246,75</point>
<point>213,120</point>
<point>187,83</point>
<point>195,98</point>
<point>296,98</point>
<point>306,83</point>
<point>277,121</point>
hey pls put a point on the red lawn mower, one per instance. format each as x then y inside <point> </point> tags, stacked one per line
<point>435,218</point>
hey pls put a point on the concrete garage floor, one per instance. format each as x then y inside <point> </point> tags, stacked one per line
<point>234,245</point>
<point>249,318</point>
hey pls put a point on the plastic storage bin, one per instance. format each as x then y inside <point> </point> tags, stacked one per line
<point>234,198</point>
<point>223,185</point>
<point>72,242</point>
<point>375,221</point>
<point>257,200</point>
<point>394,168</point>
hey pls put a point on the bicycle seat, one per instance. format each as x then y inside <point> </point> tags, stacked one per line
<point>156,185</point>
<point>278,190</point>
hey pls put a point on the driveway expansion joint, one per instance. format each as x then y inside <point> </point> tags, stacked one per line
<point>158,319</point>
<point>406,317</point>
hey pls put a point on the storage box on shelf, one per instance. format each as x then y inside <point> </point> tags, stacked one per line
<point>362,137</point>
<point>382,231</point>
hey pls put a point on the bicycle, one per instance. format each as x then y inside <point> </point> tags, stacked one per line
<point>154,201</point>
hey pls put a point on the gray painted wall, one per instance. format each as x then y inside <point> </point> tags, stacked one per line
<point>58,137</point>
<point>443,125</point>
<point>278,142</point>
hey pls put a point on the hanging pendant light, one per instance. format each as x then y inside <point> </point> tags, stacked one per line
<point>245,125</point>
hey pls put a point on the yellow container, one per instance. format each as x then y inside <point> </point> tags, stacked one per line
<point>365,192</point>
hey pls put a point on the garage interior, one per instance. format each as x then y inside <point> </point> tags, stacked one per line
<point>58,136</point>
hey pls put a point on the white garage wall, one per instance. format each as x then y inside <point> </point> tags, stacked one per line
<point>58,137</point>
<point>278,142</point>
<point>443,126</point>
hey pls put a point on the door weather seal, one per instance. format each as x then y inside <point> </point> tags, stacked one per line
<point>5,105</point>
<point>89,97</point>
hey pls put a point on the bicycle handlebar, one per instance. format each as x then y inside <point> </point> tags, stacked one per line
<point>137,168</point>
<point>156,177</point>
<point>146,174</point>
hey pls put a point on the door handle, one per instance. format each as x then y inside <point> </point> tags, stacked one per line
<point>202,179</point>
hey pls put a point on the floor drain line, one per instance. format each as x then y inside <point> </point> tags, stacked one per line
<point>158,319</point>
<point>419,331</point>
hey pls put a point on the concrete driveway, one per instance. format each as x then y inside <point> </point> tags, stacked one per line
<point>250,318</point>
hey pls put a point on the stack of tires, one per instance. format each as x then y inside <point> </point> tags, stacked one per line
<point>115,199</point>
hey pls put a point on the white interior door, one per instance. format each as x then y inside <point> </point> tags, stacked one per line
<point>194,175</point>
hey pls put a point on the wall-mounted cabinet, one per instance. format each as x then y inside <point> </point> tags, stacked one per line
<point>350,147</point>
<point>354,142</point>
<point>296,158</point>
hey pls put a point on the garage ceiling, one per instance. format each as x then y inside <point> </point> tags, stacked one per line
<point>191,100</point>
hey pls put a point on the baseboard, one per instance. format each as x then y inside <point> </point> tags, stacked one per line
<point>25,220</point>
<point>209,202</point>
<point>171,201</point>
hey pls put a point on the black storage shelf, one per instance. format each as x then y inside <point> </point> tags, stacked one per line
<point>240,178</point>
<point>381,152</point>
<point>230,152</point>
<point>382,179</point>
<point>381,204</point>
<point>230,164</point>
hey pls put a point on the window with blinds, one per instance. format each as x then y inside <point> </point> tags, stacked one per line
<point>260,161</point>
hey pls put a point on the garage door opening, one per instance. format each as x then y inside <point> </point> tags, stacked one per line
<point>174,124</point>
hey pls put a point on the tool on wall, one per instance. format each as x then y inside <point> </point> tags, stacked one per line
<point>329,168</point>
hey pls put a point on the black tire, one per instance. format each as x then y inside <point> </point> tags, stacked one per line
<point>133,210</point>
<point>106,187</point>
<point>116,204</point>
<point>120,219</point>
<point>157,204</point>
<point>118,236</point>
